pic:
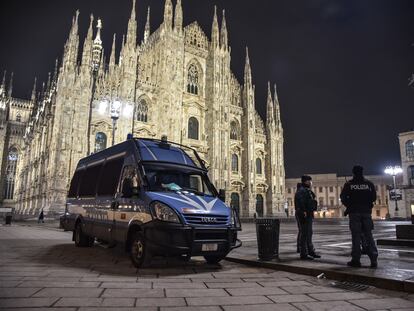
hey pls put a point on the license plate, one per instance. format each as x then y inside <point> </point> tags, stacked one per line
<point>209,247</point>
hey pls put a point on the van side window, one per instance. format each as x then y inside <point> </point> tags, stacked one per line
<point>110,177</point>
<point>89,181</point>
<point>130,182</point>
<point>74,184</point>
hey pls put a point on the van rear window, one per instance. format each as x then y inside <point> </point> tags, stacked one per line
<point>89,181</point>
<point>74,184</point>
<point>110,177</point>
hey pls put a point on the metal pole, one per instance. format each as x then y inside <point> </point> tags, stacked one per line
<point>113,130</point>
<point>395,193</point>
<point>94,74</point>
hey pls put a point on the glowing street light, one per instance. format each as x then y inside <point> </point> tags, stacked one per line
<point>394,171</point>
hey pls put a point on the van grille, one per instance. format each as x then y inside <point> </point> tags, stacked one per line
<point>206,219</point>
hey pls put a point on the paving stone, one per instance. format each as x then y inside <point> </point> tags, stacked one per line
<point>290,298</point>
<point>384,303</point>
<point>17,292</point>
<point>125,285</point>
<point>79,302</point>
<point>284,283</point>
<point>342,296</point>
<point>262,307</point>
<point>259,280</point>
<point>108,279</point>
<point>9,283</point>
<point>69,292</point>
<point>58,284</point>
<point>326,306</point>
<point>132,292</point>
<point>196,293</point>
<point>311,289</point>
<point>244,275</point>
<point>233,285</point>
<point>51,279</point>
<point>211,280</point>
<point>160,302</point>
<point>43,309</point>
<point>179,285</point>
<point>118,302</point>
<point>116,309</point>
<point>27,302</point>
<point>214,308</point>
<point>163,280</point>
<point>217,301</point>
<point>255,291</point>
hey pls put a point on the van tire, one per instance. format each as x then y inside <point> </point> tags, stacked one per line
<point>81,239</point>
<point>140,255</point>
<point>214,259</point>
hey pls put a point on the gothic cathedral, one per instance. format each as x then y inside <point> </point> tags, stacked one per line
<point>174,82</point>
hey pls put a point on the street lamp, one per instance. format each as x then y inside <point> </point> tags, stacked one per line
<point>394,171</point>
<point>115,111</point>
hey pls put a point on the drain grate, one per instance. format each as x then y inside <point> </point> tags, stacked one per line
<point>356,287</point>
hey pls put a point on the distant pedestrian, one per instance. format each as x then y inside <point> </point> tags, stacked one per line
<point>358,196</point>
<point>305,206</point>
<point>41,217</point>
<point>298,186</point>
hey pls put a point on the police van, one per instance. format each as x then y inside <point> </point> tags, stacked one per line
<point>153,196</point>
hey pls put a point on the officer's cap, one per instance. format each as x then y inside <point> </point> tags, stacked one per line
<point>357,170</point>
<point>306,178</point>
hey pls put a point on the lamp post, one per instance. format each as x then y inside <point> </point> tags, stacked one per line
<point>394,171</point>
<point>115,111</point>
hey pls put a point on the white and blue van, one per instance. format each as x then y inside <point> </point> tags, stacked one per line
<point>155,197</point>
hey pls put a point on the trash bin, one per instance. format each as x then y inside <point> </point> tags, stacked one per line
<point>267,230</point>
<point>8,219</point>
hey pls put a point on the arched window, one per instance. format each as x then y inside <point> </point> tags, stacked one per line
<point>19,117</point>
<point>234,130</point>
<point>409,150</point>
<point>258,166</point>
<point>235,202</point>
<point>100,141</point>
<point>192,80</point>
<point>141,114</point>
<point>410,175</point>
<point>10,177</point>
<point>193,128</point>
<point>234,163</point>
<point>259,205</point>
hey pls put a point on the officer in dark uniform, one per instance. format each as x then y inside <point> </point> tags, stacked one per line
<point>358,196</point>
<point>305,206</point>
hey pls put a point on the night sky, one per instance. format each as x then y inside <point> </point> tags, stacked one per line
<point>341,66</point>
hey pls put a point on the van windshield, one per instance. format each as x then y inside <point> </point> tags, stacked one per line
<point>177,179</point>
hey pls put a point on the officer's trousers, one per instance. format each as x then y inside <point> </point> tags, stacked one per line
<point>306,232</point>
<point>362,224</point>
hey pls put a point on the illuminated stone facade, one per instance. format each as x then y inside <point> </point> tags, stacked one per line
<point>174,82</point>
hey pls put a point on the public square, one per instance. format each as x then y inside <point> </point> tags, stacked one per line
<point>41,269</point>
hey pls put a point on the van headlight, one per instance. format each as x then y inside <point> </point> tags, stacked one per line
<point>163,212</point>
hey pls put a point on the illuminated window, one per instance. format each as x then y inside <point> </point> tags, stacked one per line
<point>100,141</point>
<point>409,149</point>
<point>234,163</point>
<point>141,114</point>
<point>193,128</point>
<point>192,80</point>
<point>234,130</point>
<point>10,177</point>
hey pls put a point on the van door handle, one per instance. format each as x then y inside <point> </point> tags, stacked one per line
<point>114,205</point>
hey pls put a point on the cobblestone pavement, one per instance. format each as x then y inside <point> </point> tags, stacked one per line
<point>41,269</point>
<point>332,240</point>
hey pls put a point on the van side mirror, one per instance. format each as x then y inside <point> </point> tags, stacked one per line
<point>222,195</point>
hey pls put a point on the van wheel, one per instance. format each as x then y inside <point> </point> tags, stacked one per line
<point>81,239</point>
<point>139,253</point>
<point>214,259</point>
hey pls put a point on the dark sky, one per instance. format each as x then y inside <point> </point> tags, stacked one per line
<point>342,66</point>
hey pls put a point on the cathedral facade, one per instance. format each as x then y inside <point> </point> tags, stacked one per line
<point>175,82</point>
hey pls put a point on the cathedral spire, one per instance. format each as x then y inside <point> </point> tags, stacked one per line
<point>55,72</point>
<point>247,70</point>
<point>97,46</point>
<point>3,85</point>
<point>147,31</point>
<point>215,30</point>
<point>112,57</point>
<point>33,97</point>
<point>168,12</point>
<point>10,85</point>
<point>278,120</point>
<point>72,45</point>
<point>178,19</point>
<point>87,46</point>
<point>224,41</point>
<point>270,113</point>
<point>132,29</point>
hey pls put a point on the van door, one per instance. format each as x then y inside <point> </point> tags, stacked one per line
<point>108,185</point>
<point>129,203</point>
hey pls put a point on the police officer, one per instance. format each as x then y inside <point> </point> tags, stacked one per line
<point>305,205</point>
<point>358,196</point>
